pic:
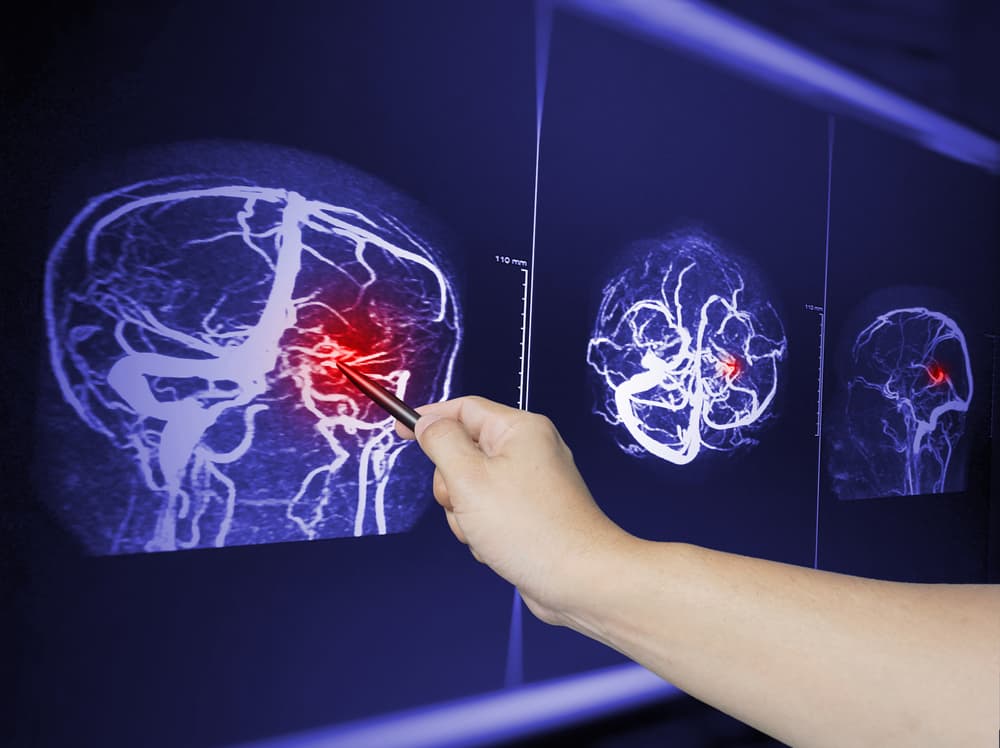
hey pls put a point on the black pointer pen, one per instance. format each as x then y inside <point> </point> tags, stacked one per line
<point>381,396</point>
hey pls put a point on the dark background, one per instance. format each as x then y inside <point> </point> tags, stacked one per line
<point>214,647</point>
<point>210,647</point>
<point>638,141</point>
<point>910,219</point>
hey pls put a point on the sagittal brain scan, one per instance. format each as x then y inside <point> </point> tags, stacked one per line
<point>194,322</point>
<point>909,388</point>
<point>686,351</point>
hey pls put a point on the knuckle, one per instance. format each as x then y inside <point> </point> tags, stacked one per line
<point>465,402</point>
<point>435,431</point>
<point>540,420</point>
<point>544,428</point>
<point>549,426</point>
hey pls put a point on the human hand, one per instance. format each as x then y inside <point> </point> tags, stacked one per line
<point>511,491</point>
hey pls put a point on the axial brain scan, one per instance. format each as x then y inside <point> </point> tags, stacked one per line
<point>686,351</point>
<point>909,389</point>
<point>194,322</point>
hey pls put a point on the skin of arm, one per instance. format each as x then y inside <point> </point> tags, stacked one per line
<point>810,657</point>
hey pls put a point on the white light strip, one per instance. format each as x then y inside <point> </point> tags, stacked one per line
<point>491,718</point>
<point>750,51</point>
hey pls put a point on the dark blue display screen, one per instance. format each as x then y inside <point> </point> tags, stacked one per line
<point>215,202</point>
<point>910,385</point>
<point>760,327</point>
<point>731,274</point>
<point>194,324</point>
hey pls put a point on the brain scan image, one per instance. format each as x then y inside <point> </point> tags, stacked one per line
<point>908,390</point>
<point>194,323</point>
<point>686,350</point>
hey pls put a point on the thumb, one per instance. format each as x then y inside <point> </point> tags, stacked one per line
<point>448,445</point>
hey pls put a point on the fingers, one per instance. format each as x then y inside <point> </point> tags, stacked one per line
<point>450,447</point>
<point>441,490</point>
<point>455,527</point>
<point>484,420</point>
<point>404,431</point>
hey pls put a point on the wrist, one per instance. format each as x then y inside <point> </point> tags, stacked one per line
<point>599,582</point>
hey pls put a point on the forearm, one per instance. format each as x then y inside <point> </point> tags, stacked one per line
<point>810,657</point>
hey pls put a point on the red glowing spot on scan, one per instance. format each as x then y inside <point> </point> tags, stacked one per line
<point>311,358</point>
<point>729,367</point>
<point>936,373</point>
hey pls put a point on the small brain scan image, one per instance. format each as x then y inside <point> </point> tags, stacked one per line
<point>686,351</point>
<point>194,325</point>
<point>907,393</point>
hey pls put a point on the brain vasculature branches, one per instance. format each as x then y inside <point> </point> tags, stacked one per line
<point>910,387</point>
<point>195,323</point>
<point>687,354</point>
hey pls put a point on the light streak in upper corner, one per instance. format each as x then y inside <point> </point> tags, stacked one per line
<point>747,49</point>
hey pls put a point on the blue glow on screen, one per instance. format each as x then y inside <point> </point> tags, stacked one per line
<point>910,388</point>
<point>493,718</point>
<point>194,322</point>
<point>686,352</point>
